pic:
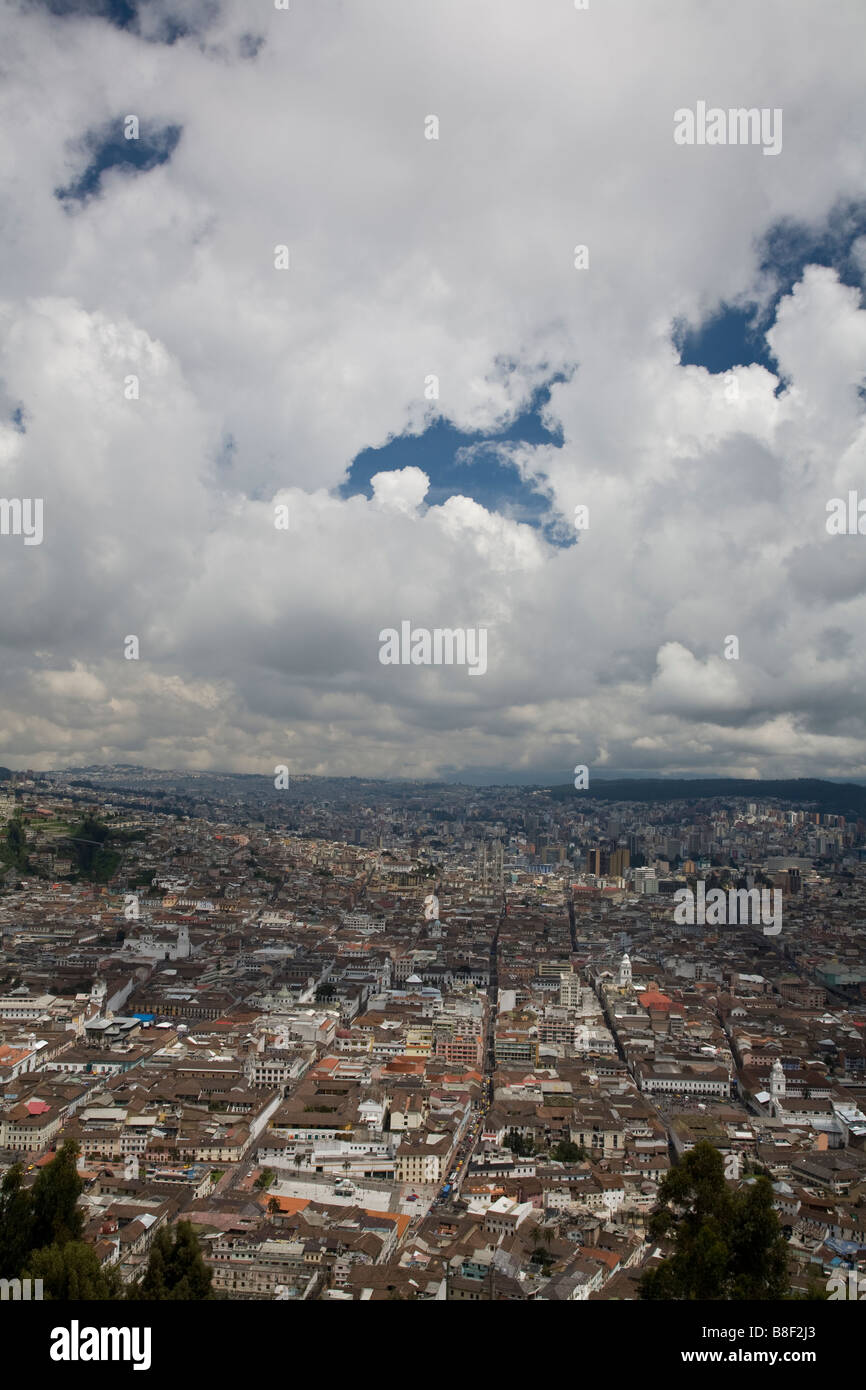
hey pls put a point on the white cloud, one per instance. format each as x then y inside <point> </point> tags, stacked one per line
<point>401,490</point>
<point>409,258</point>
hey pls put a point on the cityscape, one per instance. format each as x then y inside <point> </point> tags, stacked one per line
<point>414,1041</point>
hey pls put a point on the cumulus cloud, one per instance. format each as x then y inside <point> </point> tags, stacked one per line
<point>401,490</point>
<point>255,387</point>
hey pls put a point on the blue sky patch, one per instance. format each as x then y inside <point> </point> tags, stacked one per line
<point>469,464</point>
<point>790,246</point>
<point>109,149</point>
<point>733,336</point>
<point>123,14</point>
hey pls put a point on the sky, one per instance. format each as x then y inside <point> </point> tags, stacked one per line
<point>432,386</point>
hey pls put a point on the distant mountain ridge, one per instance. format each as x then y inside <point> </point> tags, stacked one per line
<point>832,798</point>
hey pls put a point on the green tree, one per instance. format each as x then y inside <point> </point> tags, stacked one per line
<point>143,880</point>
<point>265,1179</point>
<point>520,1145</point>
<point>759,1252</point>
<point>56,1215</point>
<point>566,1152</point>
<point>40,1230</point>
<point>540,1255</point>
<point>15,846</point>
<point>72,1271</point>
<point>87,840</point>
<point>175,1268</point>
<point>754,1169</point>
<point>95,861</point>
<point>725,1244</point>
<point>16,1223</point>
<point>815,1292</point>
